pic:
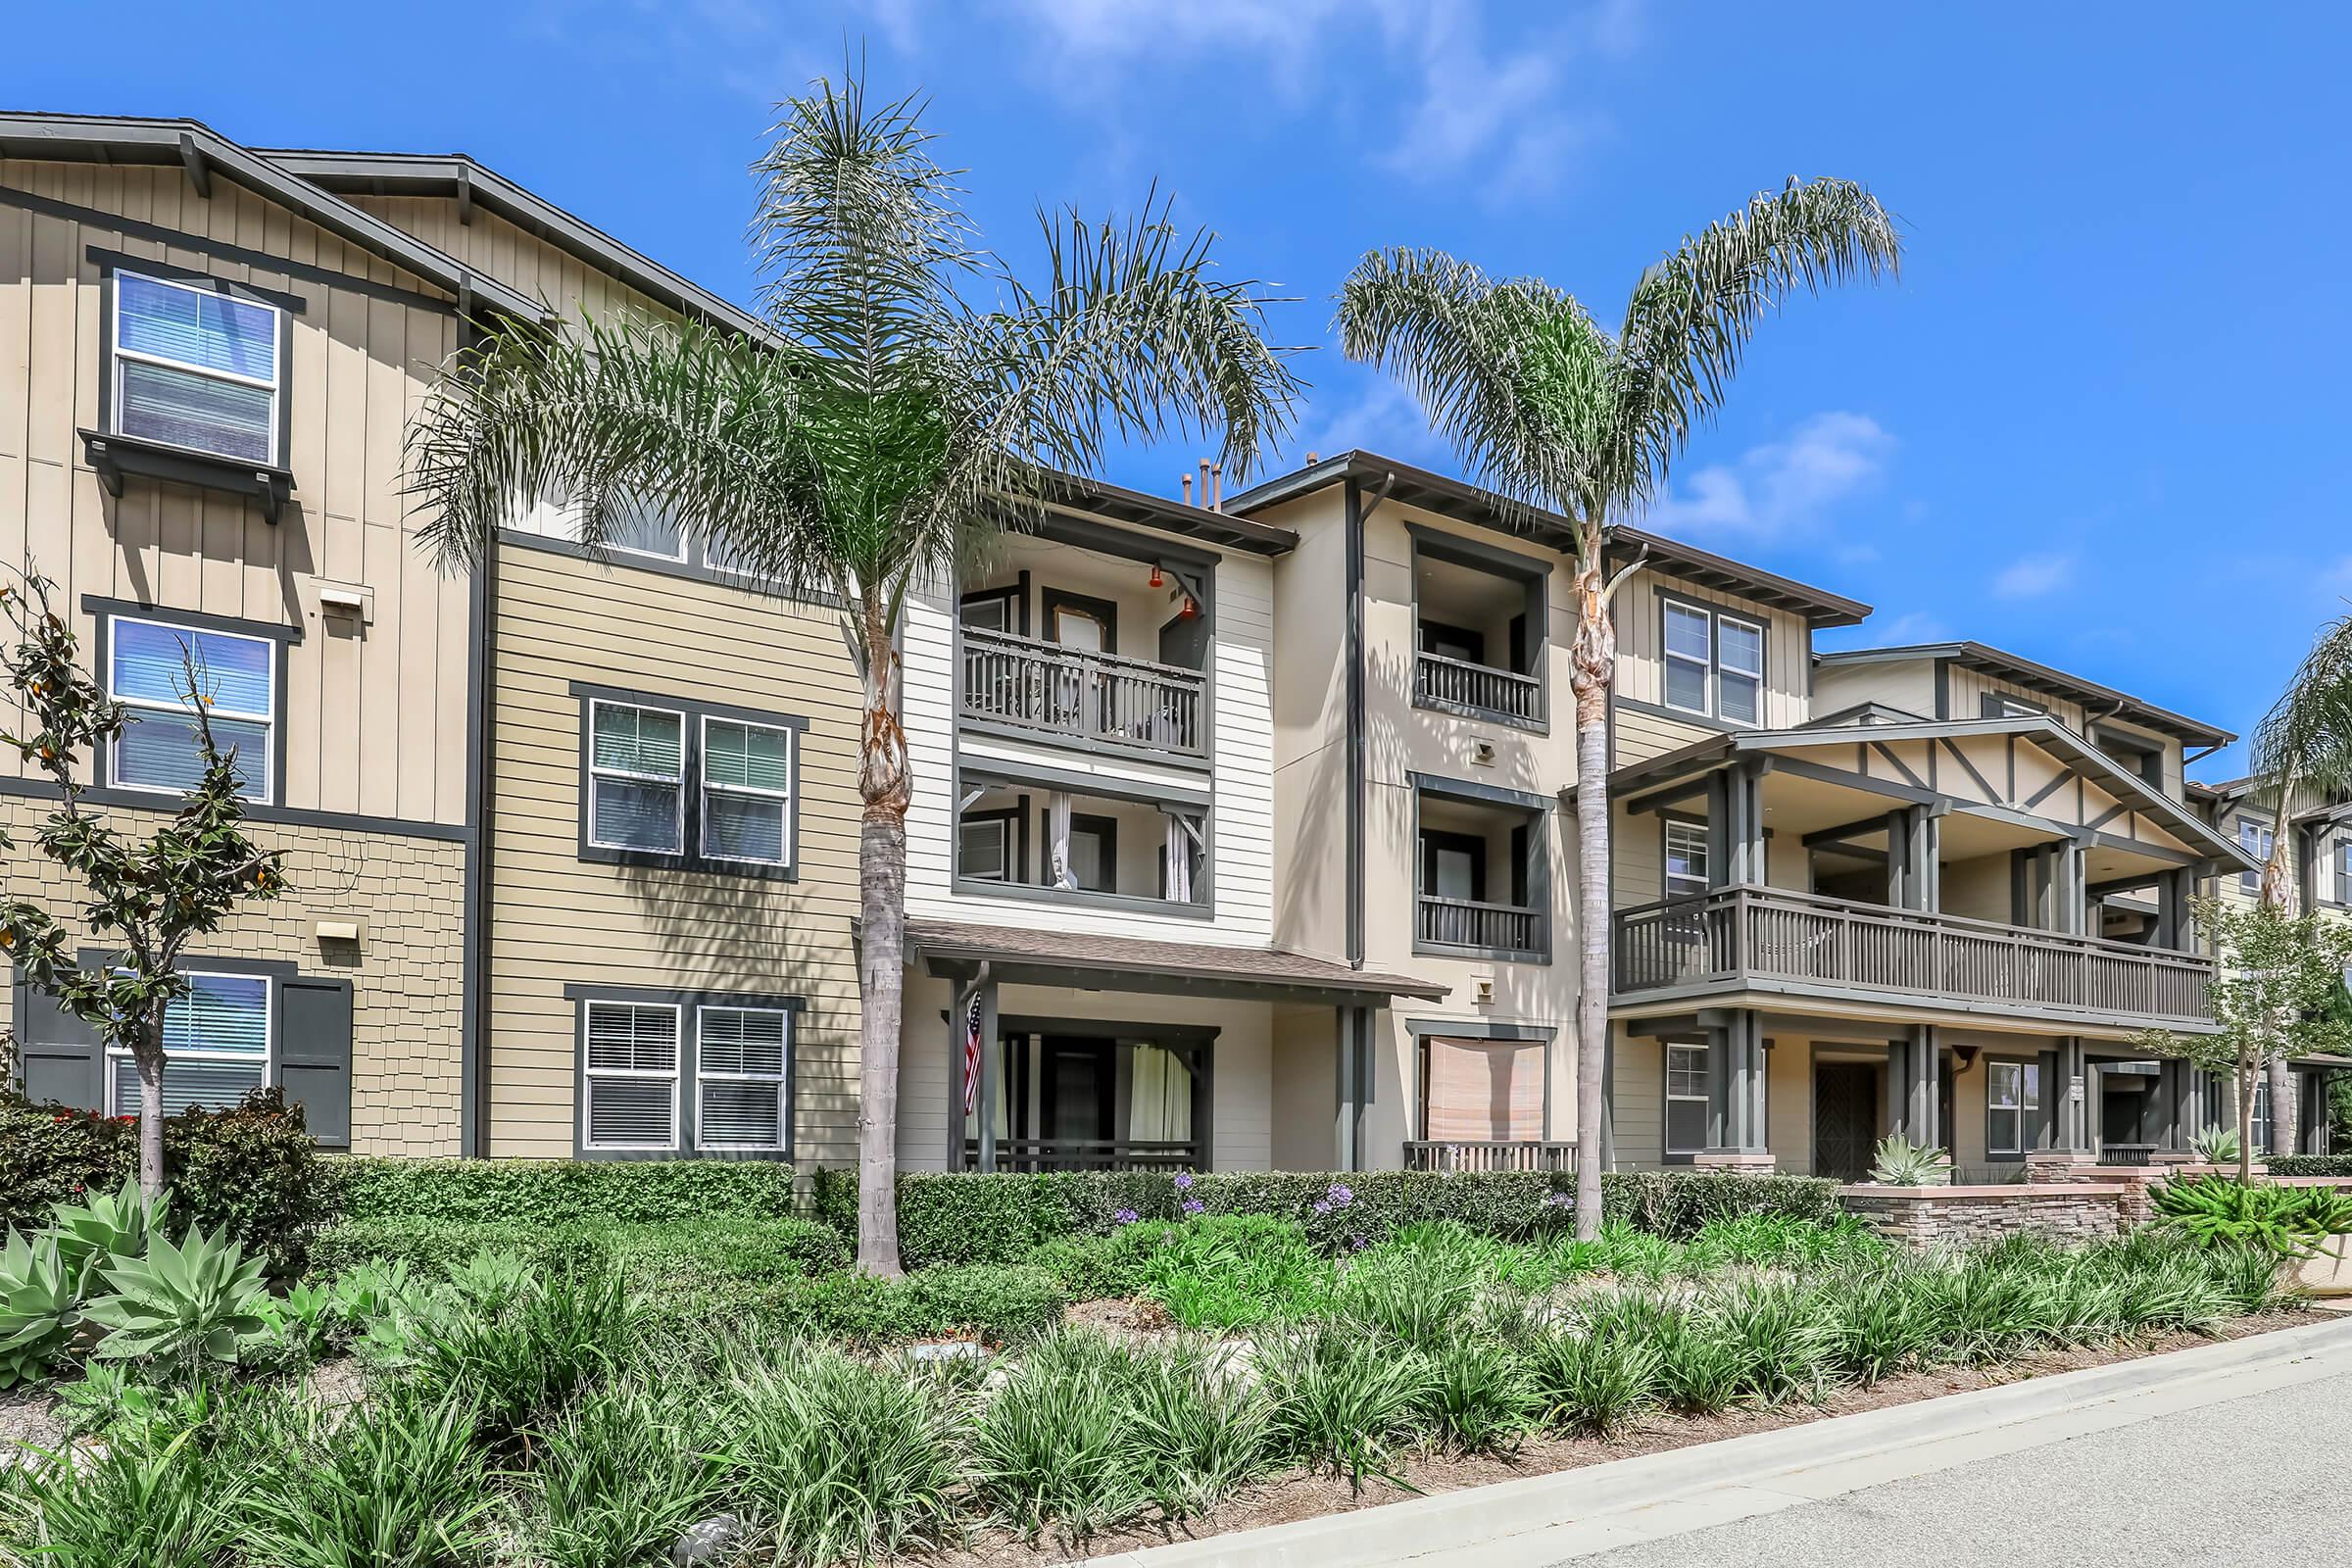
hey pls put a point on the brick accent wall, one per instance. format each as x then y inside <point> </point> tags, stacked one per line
<point>406,973</point>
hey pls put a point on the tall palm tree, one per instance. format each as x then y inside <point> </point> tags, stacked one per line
<point>910,397</point>
<point>1547,409</point>
<point>2302,749</point>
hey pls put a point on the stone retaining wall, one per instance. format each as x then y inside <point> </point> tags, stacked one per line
<point>1929,1216</point>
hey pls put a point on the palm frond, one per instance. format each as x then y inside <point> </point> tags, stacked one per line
<point>1513,373</point>
<point>2305,740</point>
<point>1691,314</point>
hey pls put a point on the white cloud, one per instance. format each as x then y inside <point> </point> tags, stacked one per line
<point>2032,576</point>
<point>1781,484</point>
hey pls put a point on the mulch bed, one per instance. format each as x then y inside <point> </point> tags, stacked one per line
<point>1307,1496</point>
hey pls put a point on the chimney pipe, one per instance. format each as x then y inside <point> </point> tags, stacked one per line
<point>1205,481</point>
<point>1216,502</point>
<point>1188,489</point>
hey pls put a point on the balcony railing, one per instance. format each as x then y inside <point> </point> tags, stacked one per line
<point>1468,923</point>
<point>1062,692</point>
<point>1728,936</point>
<point>1088,1153</point>
<point>1461,683</point>
<point>1488,1154</point>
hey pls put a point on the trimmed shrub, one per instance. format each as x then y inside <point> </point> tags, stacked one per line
<point>996,1302</point>
<point>557,1192</point>
<point>252,1169</point>
<point>658,1259</point>
<point>2310,1166</point>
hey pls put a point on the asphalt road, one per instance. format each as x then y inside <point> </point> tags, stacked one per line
<point>2250,1480</point>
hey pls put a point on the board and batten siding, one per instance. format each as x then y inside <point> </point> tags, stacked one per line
<point>375,720</point>
<point>489,243</point>
<point>1240,751</point>
<point>557,918</point>
<point>1641,657</point>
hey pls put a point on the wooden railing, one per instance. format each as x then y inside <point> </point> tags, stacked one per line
<point>1059,691</point>
<point>1488,1154</point>
<point>1727,935</point>
<point>1467,923</point>
<point>1087,1153</point>
<point>1462,683</point>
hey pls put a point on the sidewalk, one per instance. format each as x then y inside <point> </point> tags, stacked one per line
<point>1541,1520</point>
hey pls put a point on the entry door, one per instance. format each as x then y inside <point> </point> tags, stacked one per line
<point>1078,1090</point>
<point>1845,1118</point>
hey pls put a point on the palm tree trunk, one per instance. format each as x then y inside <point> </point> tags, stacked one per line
<point>1594,658</point>
<point>2245,1120</point>
<point>882,784</point>
<point>147,1053</point>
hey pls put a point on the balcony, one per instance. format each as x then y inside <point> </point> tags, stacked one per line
<point>1488,1154</point>
<point>1460,683</point>
<point>1053,692</point>
<point>1733,939</point>
<point>1467,923</point>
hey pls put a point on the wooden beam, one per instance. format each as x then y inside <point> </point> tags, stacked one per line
<point>200,173</point>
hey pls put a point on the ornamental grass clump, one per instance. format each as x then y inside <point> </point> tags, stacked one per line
<point>621,1473</point>
<point>1056,1444</point>
<point>1593,1372</point>
<point>130,1501</point>
<point>1481,1399</point>
<point>1200,1428</point>
<point>1228,1272</point>
<point>531,1356</point>
<point>403,1485</point>
<point>1342,1399</point>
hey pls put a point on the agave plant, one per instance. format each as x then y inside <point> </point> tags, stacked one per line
<point>1900,1162</point>
<point>2217,1146</point>
<point>198,1300</point>
<point>37,1309</point>
<point>110,1227</point>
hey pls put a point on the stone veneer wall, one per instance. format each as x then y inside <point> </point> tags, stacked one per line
<point>1930,1216</point>
<point>406,973</point>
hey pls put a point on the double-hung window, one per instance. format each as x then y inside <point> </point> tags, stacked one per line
<point>196,367</point>
<point>2343,870</point>
<point>2256,839</point>
<point>217,1043</point>
<point>629,1077</point>
<point>2013,1103</point>
<point>746,792</point>
<point>1685,1099</point>
<point>161,675</point>
<point>1686,857</point>
<point>636,777</point>
<point>1714,664</point>
<point>739,1079</point>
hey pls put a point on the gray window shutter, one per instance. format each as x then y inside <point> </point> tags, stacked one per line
<point>314,1054</point>
<point>60,1056</point>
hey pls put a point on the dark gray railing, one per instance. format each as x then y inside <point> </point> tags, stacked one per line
<point>1059,691</point>
<point>1728,934</point>
<point>1455,1153</point>
<point>1468,923</point>
<point>1461,683</point>
<point>1088,1153</point>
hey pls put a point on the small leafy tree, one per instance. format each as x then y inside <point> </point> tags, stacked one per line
<point>144,898</point>
<point>2275,975</point>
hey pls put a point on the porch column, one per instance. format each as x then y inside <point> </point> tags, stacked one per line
<point>1897,1084</point>
<point>1922,1110</point>
<point>1742,835</point>
<point>2173,921</point>
<point>1355,1086</point>
<point>2172,1109</point>
<point>960,1003</point>
<point>1735,1053</point>
<point>2073,1090</point>
<point>1914,848</point>
<point>982,990</point>
<point>2067,891</point>
<point>992,1054</point>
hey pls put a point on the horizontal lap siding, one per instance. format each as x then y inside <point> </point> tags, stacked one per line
<point>1640,736</point>
<point>557,920</point>
<point>375,720</point>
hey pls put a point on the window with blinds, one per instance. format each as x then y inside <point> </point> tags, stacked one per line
<point>196,367</point>
<point>631,1077</point>
<point>746,792</point>
<point>1482,1091</point>
<point>160,673</point>
<point>217,1043</point>
<point>739,1078</point>
<point>1685,1099</point>
<point>637,777</point>
<point>2012,1105</point>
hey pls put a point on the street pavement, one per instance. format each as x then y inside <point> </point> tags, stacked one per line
<point>2253,1479</point>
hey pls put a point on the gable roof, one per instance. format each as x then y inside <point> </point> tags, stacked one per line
<point>1465,502</point>
<point>1989,660</point>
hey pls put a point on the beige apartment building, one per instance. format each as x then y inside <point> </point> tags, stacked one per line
<point>1242,833</point>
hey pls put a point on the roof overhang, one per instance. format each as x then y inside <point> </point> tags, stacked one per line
<point>2036,677</point>
<point>1085,962</point>
<point>207,155</point>
<point>1117,504</point>
<point>1468,502</point>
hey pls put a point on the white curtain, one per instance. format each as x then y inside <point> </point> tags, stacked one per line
<point>1160,1106</point>
<point>1180,860</point>
<point>1058,838</point>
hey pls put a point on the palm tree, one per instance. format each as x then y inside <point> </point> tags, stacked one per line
<point>1547,409</point>
<point>883,425</point>
<point>2302,748</point>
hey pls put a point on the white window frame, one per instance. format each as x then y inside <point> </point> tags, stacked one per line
<point>676,557</point>
<point>1721,667</point>
<point>1675,827</point>
<point>1706,666</point>
<point>259,782</point>
<point>119,1060</point>
<point>782,797</point>
<point>1005,846</point>
<point>2266,840</point>
<point>588,759</point>
<point>2024,1098</point>
<point>675,1077</point>
<point>1702,1099</point>
<point>781,1078</point>
<point>277,353</point>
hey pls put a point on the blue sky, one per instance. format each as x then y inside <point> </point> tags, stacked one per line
<point>2099,421</point>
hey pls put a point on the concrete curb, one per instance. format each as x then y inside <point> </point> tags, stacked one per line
<point>1486,1516</point>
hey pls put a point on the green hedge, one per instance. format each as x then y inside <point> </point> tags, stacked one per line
<point>557,1192</point>
<point>672,1257</point>
<point>958,1218</point>
<point>2310,1164</point>
<point>252,1169</point>
<point>996,1302</point>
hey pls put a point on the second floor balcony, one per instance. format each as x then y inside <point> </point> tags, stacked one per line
<point>1751,938</point>
<point>1055,691</point>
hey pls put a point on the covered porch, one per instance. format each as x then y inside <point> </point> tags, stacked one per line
<point>1071,1051</point>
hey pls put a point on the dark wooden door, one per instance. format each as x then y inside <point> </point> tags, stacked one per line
<point>1078,1086</point>
<point>1845,1118</point>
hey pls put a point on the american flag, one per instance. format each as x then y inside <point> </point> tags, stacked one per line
<point>971,1057</point>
